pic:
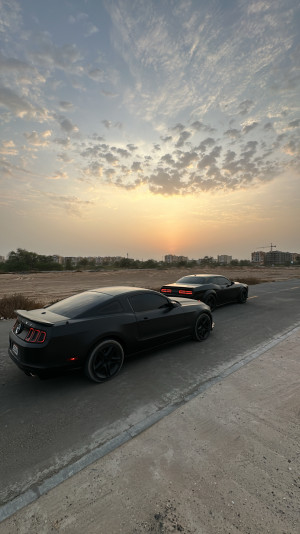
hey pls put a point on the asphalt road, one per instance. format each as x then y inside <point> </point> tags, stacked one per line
<point>47,425</point>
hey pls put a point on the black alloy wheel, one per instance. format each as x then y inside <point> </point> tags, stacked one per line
<point>243,296</point>
<point>202,327</point>
<point>211,301</point>
<point>104,361</point>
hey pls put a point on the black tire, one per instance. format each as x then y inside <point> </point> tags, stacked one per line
<point>202,327</point>
<point>210,300</point>
<point>243,296</point>
<point>104,361</point>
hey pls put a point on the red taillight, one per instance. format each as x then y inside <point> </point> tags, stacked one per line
<point>185,292</point>
<point>35,336</point>
<point>166,290</point>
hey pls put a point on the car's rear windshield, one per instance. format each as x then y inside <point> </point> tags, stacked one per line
<point>192,280</point>
<point>77,305</point>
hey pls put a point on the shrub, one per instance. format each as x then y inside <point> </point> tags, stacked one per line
<point>8,305</point>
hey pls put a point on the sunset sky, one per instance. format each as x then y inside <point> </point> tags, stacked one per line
<point>149,127</point>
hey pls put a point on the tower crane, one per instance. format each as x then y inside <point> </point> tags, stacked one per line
<point>271,246</point>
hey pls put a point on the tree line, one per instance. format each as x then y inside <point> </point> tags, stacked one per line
<point>23,260</point>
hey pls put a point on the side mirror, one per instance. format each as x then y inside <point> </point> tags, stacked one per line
<point>173,304</point>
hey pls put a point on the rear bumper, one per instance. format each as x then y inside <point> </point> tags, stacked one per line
<point>34,369</point>
<point>39,359</point>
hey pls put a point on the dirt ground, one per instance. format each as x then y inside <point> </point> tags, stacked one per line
<point>51,286</point>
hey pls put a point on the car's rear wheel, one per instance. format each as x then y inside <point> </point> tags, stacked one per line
<point>243,296</point>
<point>202,327</point>
<point>104,361</point>
<point>210,300</point>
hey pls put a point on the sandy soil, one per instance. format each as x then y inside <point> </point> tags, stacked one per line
<point>49,287</point>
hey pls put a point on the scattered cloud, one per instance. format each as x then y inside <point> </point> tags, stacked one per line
<point>82,19</point>
<point>66,125</point>
<point>294,124</point>
<point>248,127</point>
<point>65,106</point>
<point>18,105</point>
<point>46,54</point>
<point>8,148</point>
<point>97,74</point>
<point>184,136</point>
<point>58,175</point>
<point>71,204</point>
<point>38,140</point>
<point>233,133</point>
<point>190,168</point>
<point>245,106</point>
<point>109,94</point>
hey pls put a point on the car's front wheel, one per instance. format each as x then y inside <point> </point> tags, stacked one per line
<point>202,327</point>
<point>104,361</point>
<point>243,296</point>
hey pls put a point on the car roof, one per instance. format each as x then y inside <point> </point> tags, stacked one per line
<point>119,290</point>
<point>200,275</point>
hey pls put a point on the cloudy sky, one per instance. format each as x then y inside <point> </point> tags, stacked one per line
<point>149,127</point>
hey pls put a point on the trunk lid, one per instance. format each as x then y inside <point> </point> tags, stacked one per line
<point>179,289</point>
<point>41,316</point>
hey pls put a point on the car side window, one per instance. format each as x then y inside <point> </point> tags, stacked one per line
<point>107,309</point>
<point>222,281</point>
<point>147,302</point>
<point>112,307</point>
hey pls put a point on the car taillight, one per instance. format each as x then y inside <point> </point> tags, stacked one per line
<point>185,292</point>
<point>166,290</point>
<point>35,336</point>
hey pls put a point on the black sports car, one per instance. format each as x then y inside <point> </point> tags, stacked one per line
<point>212,289</point>
<point>96,329</point>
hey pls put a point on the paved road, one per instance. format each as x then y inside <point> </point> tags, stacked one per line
<point>46,425</point>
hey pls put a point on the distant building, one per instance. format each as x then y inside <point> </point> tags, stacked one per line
<point>276,257</point>
<point>295,257</point>
<point>107,260</point>
<point>58,259</point>
<point>224,259</point>
<point>258,257</point>
<point>170,258</point>
<point>2,259</point>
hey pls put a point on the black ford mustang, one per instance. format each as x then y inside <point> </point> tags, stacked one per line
<point>212,289</point>
<point>96,329</point>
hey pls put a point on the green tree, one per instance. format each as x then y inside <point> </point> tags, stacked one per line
<point>207,260</point>
<point>84,263</point>
<point>149,264</point>
<point>22,260</point>
<point>68,265</point>
<point>126,263</point>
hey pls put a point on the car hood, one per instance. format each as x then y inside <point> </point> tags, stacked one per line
<point>184,302</point>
